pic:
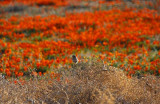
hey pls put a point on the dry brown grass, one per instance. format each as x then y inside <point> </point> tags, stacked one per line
<point>87,84</point>
<point>74,7</point>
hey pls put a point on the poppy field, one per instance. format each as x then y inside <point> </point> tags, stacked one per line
<point>127,38</point>
<point>117,43</point>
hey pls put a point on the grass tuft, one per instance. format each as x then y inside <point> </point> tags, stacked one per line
<point>84,83</point>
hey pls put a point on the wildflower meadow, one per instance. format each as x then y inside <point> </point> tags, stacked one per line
<point>39,37</point>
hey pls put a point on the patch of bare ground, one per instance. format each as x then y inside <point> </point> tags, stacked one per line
<point>84,83</point>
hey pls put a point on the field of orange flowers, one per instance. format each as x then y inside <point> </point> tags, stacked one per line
<point>125,38</point>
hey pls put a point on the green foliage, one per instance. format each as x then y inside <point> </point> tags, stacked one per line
<point>46,49</point>
<point>49,57</point>
<point>42,69</point>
